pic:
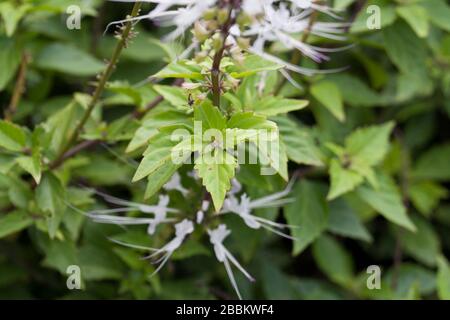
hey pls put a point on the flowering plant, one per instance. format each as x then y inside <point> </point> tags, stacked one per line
<point>218,134</point>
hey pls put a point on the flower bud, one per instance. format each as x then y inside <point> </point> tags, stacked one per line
<point>243,19</point>
<point>222,16</point>
<point>200,32</point>
<point>210,14</point>
<point>217,41</point>
<point>243,43</point>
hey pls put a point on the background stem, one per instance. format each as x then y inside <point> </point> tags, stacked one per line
<point>124,37</point>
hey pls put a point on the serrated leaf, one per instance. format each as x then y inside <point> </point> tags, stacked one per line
<point>12,137</point>
<point>387,200</point>
<point>159,153</point>
<point>209,116</point>
<point>328,94</point>
<point>156,119</point>
<point>176,96</point>
<point>180,69</point>
<point>216,173</point>
<point>250,120</point>
<point>299,142</point>
<point>371,144</point>
<point>309,211</point>
<point>13,222</point>
<point>342,180</point>
<point>159,177</point>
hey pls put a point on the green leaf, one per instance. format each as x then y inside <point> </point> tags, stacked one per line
<point>328,94</point>
<point>423,245</point>
<point>180,69</point>
<point>12,15</point>
<point>387,200</point>
<point>355,92</point>
<point>342,180</point>
<point>157,118</point>
<point>334,260</point>
<point>271,106</point>
<point>159,153</point>
<point>97,263</point>
<point>433,164</point>
<point>405,49</point>
<point>299,142</point>
<point>51,198</point>
<point>426,195</point>
<point>12,137</point>
<point>216,173</point>
<point>438,13</point>
<point>271,155</point>
<point>176,96</point>
<point>13,222</point>
<point>345,222</point>
<point>61,254</point>
<point>409,275</point>
<point>159,178</point>
<point>32,165</point>
<point>209,116</point>
<point>69,60</point>
<point>443,278</point>
<point>253,64</point>
<point>9,60</point>
<point>417,18</point>
<point>250,120</point>
<point>371,144</point>
<point>309,211</point>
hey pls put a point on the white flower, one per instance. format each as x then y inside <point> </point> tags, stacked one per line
<point>216,237</point>
<point>175,184</point>
<point>182,230</point>
<point>159,211</point>
<point>244,207</point>
<point>281,24</point>
<point>201,213</point>
<point>186,13</point>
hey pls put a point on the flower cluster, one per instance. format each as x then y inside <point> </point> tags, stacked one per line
<point>252,25</point>
<point>157,215</point>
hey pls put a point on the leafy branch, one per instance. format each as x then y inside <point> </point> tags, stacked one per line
<point>124,38</point>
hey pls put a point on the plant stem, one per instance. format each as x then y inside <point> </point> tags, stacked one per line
<point>124,37</point>
<point>19,88</point>
<point>404,188</point>
<point>215,70</point>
